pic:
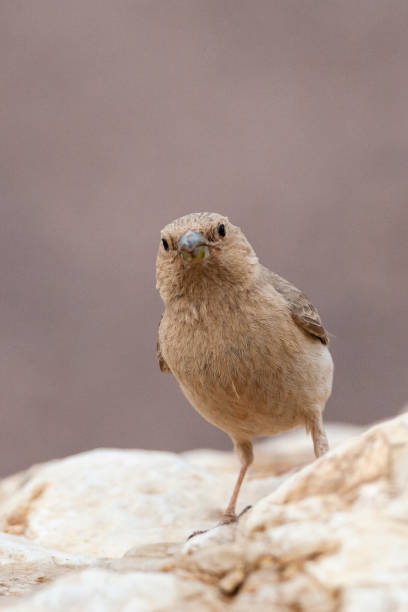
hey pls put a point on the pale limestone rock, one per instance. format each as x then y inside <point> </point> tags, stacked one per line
<point>330,537</point>
<point>24,564</point>
<point>334,528</point>
<point>17,549</point>
<point>105,502</point>
<point>99,590</point>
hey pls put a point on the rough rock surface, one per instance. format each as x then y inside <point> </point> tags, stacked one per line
<point>106,530</point>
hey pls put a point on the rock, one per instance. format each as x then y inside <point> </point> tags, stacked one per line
<point>104,502</point>
<point>330,536</point>
<point>24,565</point>
<point>100,590</point>
<point>329,532</point>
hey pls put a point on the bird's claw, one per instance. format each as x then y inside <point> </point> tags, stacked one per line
<point>198,532</point>
<point>244,511</point>
<point>227,519</point>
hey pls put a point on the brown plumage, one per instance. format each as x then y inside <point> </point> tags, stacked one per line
<point>248,349</point>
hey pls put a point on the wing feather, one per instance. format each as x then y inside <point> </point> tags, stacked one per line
<point>162,364</point>
<point>302,310</point>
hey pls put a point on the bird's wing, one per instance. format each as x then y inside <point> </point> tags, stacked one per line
<point>162,364</point>
<point>302,310</point>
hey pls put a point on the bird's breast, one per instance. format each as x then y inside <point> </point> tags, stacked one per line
<point>232,349</point>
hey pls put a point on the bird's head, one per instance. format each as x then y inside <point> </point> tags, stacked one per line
<point>202,251</point>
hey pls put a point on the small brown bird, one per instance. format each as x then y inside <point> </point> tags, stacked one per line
<point>247,348</point>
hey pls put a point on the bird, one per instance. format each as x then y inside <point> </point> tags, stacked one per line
<point>247,347</point>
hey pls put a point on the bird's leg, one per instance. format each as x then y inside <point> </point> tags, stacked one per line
<point>229,515</point>
<point>320,442</point>
<point>245,453</point>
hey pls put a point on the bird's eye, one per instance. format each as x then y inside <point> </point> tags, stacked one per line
<point>221,230</point>
<point>165,244</point>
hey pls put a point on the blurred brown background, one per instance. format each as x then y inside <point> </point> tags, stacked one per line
<point>116,117</point>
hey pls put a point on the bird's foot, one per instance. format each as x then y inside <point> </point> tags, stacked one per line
<point>198,532</point>
<point>231,517</point>
<point>227,519</point>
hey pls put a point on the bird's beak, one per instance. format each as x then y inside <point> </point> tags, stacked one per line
<point>193,247</point>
